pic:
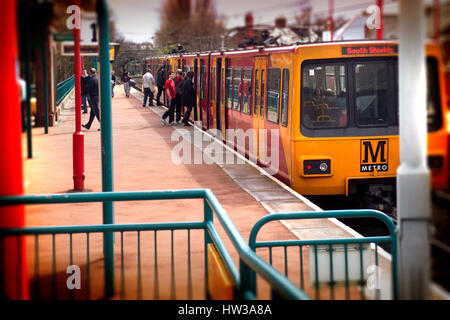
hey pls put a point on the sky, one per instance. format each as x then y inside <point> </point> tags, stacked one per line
<point>138,20</point>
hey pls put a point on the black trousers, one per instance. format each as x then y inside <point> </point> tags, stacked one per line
<point>160,91</point>
<point>169,112</point>
<point>148,94</point>
<point>95,111</point>
<point>186,116</point>
<point>178,107</point>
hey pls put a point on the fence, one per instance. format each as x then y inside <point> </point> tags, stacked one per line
<point>161,277</point>
<point>63,88</point>
<point>351,253</point>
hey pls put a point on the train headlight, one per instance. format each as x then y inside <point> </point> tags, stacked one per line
<point>323,167</point>
<point>316,167</point>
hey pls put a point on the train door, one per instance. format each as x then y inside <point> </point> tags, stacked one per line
<point>259,138</point>
<point>203,94</point>
<point>212,102</point>
<point>224,98</point>
<point>218,85</point>
<point>196,77</point>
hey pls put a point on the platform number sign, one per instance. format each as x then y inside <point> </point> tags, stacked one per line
<point>374,155</point>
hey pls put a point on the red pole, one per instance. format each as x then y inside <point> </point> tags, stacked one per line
<point>380,29</point>
<point>13,270</point>
<point>331,13</point>
<point>437,20</point>
<point>78,136</point>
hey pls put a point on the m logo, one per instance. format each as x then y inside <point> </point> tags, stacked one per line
<point>374,155</point>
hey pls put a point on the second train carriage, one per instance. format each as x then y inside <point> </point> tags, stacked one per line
<point>333,105</point>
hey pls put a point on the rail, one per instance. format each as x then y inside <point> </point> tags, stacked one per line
<point>248,260</point>
<point>319,258</point>
<point>63,88</point>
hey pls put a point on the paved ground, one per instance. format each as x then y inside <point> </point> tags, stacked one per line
<point>142,149</point>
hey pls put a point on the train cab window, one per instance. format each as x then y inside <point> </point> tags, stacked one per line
<point>237,78</point>
<point>285,98</point>
<point>324,96</point>
<point>228,88</point>
<point>256,95</point>
<point>372,85</point>
<point>263,83</point>
<point>434,118</point>
<point>273,94</point>
<point>245,91</point>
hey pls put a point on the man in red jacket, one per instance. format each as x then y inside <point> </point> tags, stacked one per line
<point>170,95</point>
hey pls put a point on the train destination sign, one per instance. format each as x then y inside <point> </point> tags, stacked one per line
<point>374,49</point>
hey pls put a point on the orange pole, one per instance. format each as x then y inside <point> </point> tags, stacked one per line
<point>78,136</point>
<point>14,278</point>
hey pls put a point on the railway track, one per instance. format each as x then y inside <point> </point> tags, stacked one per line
<point>440,243</point>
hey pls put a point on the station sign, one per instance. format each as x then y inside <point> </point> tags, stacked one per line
<point>369,49</point>
<point>58,37</point>
<point>88,37</point>
<point>68,49</point>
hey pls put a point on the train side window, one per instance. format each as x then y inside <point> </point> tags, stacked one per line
<point>285,98</point>
<point>228,88</point>
<point>372,86</point>
<point>263,83</point>
<point>434,113</point>
<point>324,96</point>
<point>237,77</point>
<point>245,90</point>
<point>256,95</point>
<point>273,94</point>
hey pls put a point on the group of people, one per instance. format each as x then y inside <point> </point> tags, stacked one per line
<point>89,94</point>
<point>179,91</point>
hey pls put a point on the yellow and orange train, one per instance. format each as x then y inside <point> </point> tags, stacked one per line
<point>335,106</point>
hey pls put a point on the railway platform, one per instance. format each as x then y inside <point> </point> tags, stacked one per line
<point>143,160</point>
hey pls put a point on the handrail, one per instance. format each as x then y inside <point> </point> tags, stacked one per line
<point>248,258</point>
<point>392,238</point>
<point>63,88</point>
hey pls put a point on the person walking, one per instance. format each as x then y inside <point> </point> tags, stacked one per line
<point>93,93</point>
<point>148,84</point>
<point>178,89</point>
<point>113,83</point>
<point>170,94</point>
<point>188,96</point>
<point>126,82</point>
<point>84,95</point>
<point>160,78</point>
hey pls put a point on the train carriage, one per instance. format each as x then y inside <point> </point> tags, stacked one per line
<point>326,113</point>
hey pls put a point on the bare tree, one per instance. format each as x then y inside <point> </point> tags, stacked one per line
<point>195,28</point>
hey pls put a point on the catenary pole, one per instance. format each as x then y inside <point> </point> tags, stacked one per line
<point>413,177</point>
<point>78,136</point>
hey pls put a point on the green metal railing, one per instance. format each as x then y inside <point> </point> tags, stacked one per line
<point>247,258</point>
<point>332,246</point>
<point>63,88</point>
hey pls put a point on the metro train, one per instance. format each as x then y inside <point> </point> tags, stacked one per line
<point>335,105</point>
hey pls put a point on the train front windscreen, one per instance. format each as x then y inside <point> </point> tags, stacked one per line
<point>358,97</point>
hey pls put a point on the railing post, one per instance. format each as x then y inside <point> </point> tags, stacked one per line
<point>106,138</point>
<point>208,217</point>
